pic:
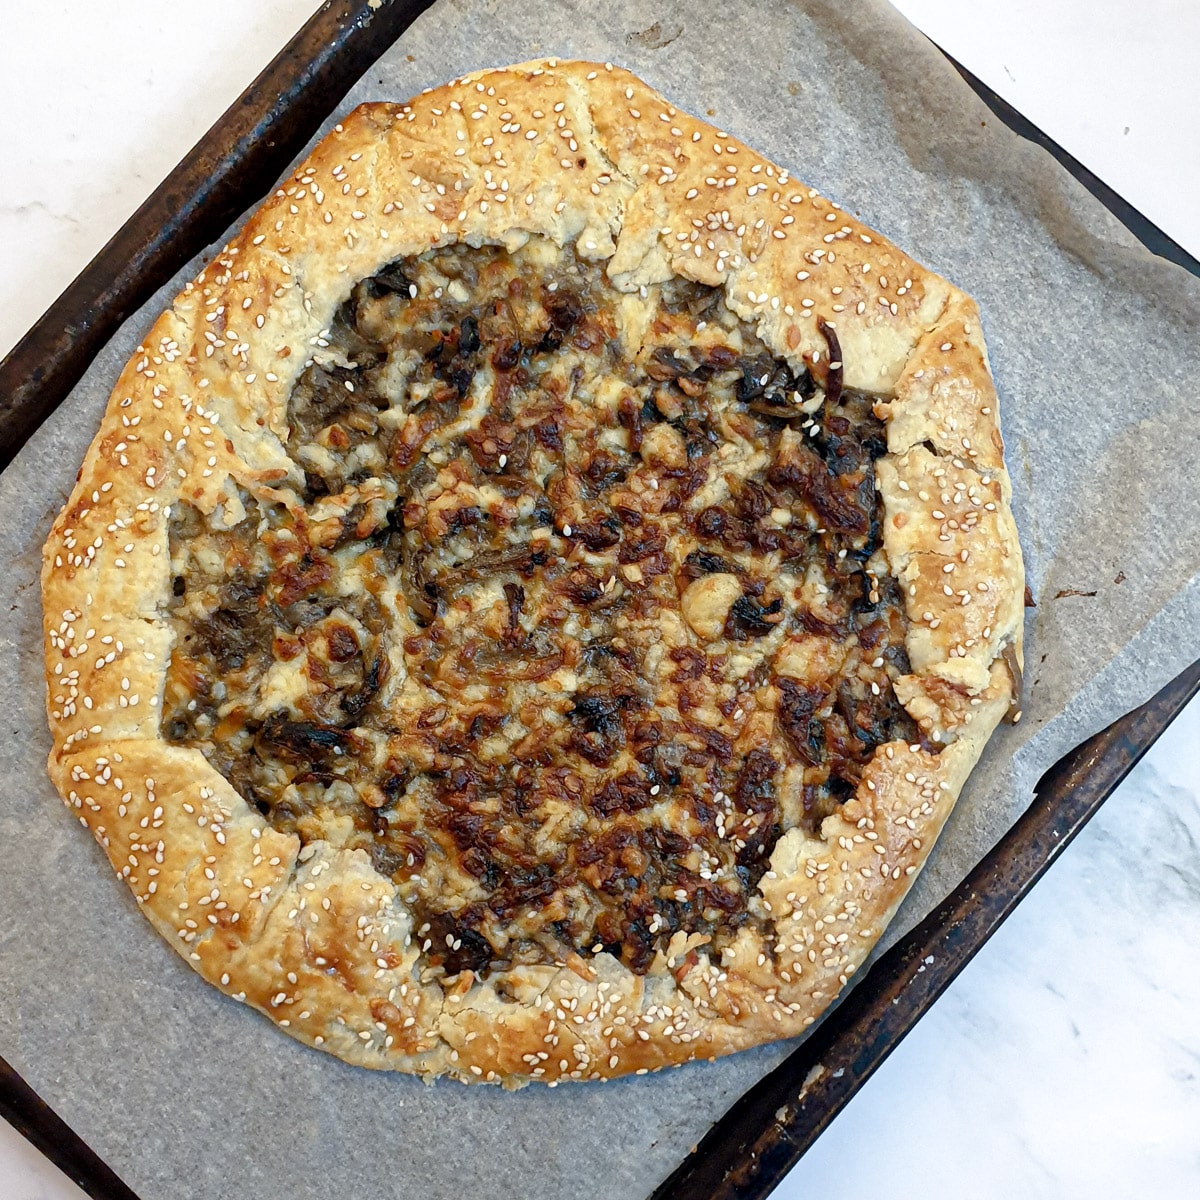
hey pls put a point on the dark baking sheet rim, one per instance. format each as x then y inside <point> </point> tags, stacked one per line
<point>749,1150</point>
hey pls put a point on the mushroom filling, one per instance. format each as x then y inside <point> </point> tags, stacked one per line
<point>575,603</point>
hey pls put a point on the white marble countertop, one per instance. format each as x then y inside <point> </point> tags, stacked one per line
<point>1065,1060</point>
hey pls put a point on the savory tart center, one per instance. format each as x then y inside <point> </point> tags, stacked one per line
<point>574,604</point>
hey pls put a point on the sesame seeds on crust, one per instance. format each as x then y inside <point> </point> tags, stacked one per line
<point>589,157</point>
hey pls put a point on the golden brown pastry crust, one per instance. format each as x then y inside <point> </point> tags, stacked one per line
<point>590,157</point>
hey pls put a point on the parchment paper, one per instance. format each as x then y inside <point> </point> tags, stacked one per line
<point>1095,351</point>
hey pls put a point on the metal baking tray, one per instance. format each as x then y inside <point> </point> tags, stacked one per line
<point>766,1131</point>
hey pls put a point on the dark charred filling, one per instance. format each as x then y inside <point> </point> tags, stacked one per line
<point>447,649</point>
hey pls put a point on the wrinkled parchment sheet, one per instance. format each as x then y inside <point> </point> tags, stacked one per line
<point>1095,352</point>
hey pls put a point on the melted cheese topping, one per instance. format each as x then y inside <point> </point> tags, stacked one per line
<point>575,605</point>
